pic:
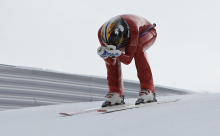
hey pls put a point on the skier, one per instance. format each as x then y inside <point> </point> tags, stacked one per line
<point>123,38</point>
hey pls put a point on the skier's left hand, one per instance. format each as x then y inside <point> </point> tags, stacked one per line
<point>112,51</point>
<point>102,53</point>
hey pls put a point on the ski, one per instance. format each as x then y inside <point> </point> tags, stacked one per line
<point>94,110</point>
<point>80,112</point>
<point>115,108</point>
<point>132,106</point>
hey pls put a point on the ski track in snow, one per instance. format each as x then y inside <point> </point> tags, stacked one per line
<point>197,114</point>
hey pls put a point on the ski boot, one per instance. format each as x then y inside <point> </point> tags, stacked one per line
<point>113,98</point>
<point>146,96</point>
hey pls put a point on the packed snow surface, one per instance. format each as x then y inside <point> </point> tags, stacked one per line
<point>196,114</point>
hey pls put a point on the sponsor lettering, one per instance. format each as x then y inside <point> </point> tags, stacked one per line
<point>121,28</point>
<point>116,31</point>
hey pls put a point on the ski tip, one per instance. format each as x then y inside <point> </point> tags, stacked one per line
<point>101,110</point>
<point>64,114</point>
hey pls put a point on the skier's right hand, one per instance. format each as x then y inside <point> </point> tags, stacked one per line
<point>102,53</point>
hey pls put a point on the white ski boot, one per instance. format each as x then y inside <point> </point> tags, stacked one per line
<point>146,96</point>
<point>113,98</point>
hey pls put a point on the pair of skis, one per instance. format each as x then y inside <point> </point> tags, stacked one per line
<point>116,108</point>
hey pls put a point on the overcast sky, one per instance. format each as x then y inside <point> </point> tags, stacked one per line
<point>62,35</point>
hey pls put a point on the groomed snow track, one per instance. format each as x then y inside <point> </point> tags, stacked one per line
<point>28,87</point>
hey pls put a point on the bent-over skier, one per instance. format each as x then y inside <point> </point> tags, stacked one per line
<point>123,38</point>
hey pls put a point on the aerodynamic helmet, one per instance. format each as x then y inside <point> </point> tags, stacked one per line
<point>115,31</point>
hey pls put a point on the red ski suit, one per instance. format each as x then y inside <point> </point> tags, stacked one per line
<point>135,48</point>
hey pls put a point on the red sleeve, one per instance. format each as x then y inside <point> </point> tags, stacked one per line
<point>107,60</point>
<point>131,46</point>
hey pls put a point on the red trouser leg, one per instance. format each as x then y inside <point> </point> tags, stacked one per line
<point>143,68</point>
<point>114,77</point>
<point>144,71</point>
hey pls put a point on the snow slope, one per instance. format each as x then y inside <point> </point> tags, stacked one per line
<point>197,114</point>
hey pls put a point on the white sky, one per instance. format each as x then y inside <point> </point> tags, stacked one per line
<point>62,35</point>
